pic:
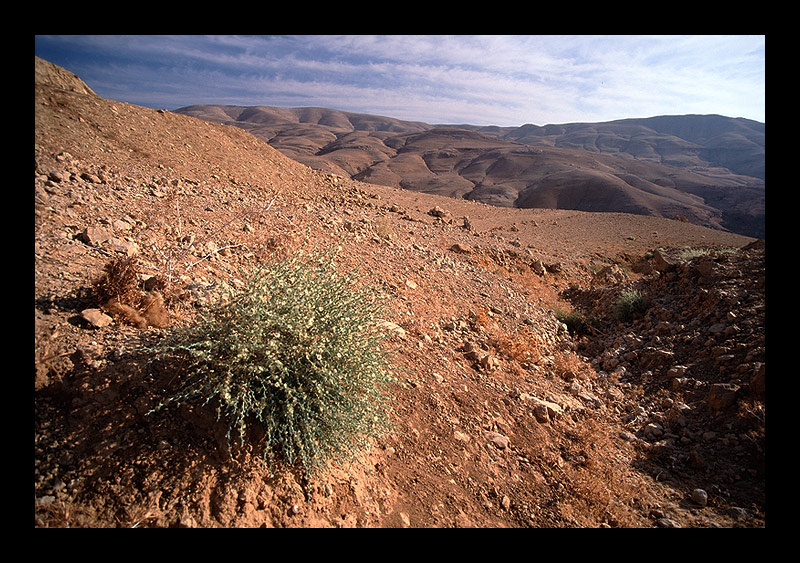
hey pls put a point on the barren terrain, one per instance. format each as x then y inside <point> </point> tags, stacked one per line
<point>506,416</point>
<point>708,169</point>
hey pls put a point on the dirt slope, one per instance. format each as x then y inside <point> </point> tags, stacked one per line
<point>506,418</point>
<point>707,169</point>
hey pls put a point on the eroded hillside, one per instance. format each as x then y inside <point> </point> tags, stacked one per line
<point>506,416</point>
<point>706,169</point>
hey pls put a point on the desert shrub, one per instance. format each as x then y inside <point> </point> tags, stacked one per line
<point>522,345</point>
<point>119,281</point>
<point>629,303</point>
<point>119,292</point>
<point>692,253</point>
<point>568,365</point>
<point>297,353</point>
<point>577,321</point>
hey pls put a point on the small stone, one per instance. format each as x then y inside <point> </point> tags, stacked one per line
<point>460,436</point>
<point>676,371</point>
<point>187,522</point>
<point>590,398</point>
<point>473,355</point>
<point>717,328</point>
<point>489,362</point>
<point>89,177</point>
<point>696,460</point>
<point>543,410</point>
<point>700,497</point>
<point>121,225</point>
<point>540,412</point>
<point>123,246</point>
<point>95,236</point>
<point>392,328</point>
<point>722,395</point>
<point>96,317</point>
<point>500,441</point>
<point>758,381</point>
<point>653,431</point>
<point>46,500</point>
<point>59,176</point>
<point>439,212</point>
<point>662,262</point>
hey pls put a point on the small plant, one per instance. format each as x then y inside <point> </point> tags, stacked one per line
<point>176,259</point>
<point>692,253</point>
<point>120,294</point>
<point>298,354</point>
<point>629,303</point>
<point>568,365</point>
<point>577,321</point>
<point>521,346</point>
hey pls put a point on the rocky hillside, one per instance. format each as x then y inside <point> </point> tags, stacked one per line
<point>707,169</point>
<point>527,399</point>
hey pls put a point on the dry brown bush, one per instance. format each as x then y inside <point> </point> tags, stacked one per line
<point>122,295</point>
<point>568,365</point>
<point>596,487</point>
<point>521,346</point>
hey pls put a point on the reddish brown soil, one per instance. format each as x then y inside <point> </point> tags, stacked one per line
<point>469,448</point>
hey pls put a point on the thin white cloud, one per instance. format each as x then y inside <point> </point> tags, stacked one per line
<point>501,80</point>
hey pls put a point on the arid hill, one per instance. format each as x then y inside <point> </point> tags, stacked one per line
<point>708,169</point>
<point>526,399</point>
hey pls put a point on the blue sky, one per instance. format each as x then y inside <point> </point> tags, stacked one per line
<point>504,80</point>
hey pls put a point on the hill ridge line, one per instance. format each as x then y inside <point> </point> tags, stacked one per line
<point>712,155</point>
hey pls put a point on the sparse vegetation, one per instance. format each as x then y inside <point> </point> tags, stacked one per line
<point>298,354</point>
<point>177,257</point>
<point>119,292</point>
<point>629,303</point>
<point>691,253</point>
<point>577,321</point>
<point>568,365</point>
<point>521,346</point>
<point>505,421</point>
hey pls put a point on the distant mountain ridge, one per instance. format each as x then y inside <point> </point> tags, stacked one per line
<point>707,169</point>
<point>698,141</point>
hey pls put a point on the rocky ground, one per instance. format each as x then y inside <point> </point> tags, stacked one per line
<point>526,400</point>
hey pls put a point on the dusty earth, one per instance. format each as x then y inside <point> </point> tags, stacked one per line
<point>506,417</point>
<point>616,166</point>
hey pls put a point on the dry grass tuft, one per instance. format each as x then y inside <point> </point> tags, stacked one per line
<point>568,365</point>
<point>521,346</point>
<point>121,294</point>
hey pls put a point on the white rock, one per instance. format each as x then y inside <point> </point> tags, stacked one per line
<point>96,317</point>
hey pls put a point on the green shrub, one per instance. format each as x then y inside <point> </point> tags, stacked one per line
<point>299,353</point>
<point>691,253</point>
<point>629,303</point>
